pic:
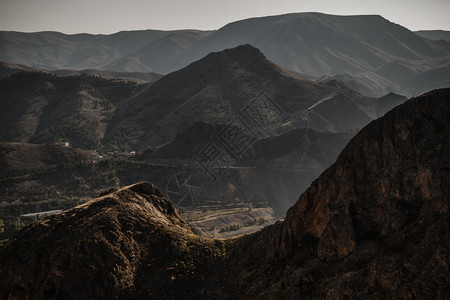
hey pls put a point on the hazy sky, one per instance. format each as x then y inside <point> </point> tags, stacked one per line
<point>109,16</point>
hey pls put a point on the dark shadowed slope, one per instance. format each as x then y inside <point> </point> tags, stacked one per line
<point>40,107</point>
<point>374,225</point>
<point>298,148</point>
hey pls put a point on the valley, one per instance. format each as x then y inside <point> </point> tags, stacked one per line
<point>75,180</point>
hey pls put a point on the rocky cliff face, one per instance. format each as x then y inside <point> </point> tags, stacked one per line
<point>375,224</point>
<point>392,175</point>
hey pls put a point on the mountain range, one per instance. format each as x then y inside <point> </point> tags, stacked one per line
<point>261,120</point>
<point>237,87</point>
<point>373,225</point>
<point>367,48</point>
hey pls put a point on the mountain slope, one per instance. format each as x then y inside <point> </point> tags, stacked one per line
<point>161,55</point>
<point>237,86</point>
<point>375,224</point>
<point>434,35</point>
<point>370,85</point>
<point>41,107</point>
<point>17,158</point>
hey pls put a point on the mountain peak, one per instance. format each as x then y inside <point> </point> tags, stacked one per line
<point>245,49</point>
<point>153,204</point>
<point>243,55</point>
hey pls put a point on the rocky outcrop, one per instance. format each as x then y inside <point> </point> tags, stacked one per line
<point>374,225</point>
<point>124,244</point>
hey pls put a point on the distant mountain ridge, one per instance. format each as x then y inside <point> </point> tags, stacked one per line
<point>139,77</point>
<point>434,35</point>
<point>54,50</point>
<point>310,43</point>
<point>236,87</point>
<point>320,44</point>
